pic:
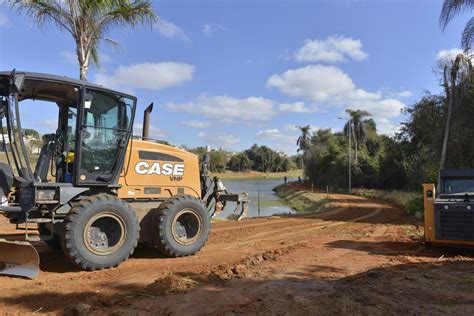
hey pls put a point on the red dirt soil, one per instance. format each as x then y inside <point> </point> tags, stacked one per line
<point>359,257</point>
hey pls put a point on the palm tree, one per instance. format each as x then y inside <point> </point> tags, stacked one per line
<point>456,76</point>
<point>357,127</point>
<point>88,21</point>
<point>304,142</point>
<point>450,9</point>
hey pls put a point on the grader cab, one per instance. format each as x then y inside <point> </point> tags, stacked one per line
<point>96,191</point>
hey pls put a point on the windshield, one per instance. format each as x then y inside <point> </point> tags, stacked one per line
<point>453,186</point>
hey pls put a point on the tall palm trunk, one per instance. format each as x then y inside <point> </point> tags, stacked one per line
<point>83,57</point>
<point>446,131</point>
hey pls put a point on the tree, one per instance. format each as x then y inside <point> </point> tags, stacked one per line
<point>450,9</point>
<point>239,162</point>
<point>88,21</point>
<point>456,76</point>
<point>31,132</point>
<point>34,145</point>
<point>303,142</point>
<point>358,128</point>
<point>217,161</point>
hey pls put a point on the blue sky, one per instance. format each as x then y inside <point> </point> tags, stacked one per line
<point>233,73</point>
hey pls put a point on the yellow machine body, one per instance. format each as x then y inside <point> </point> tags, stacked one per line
<point>156,171</point>
<point>429,192</point>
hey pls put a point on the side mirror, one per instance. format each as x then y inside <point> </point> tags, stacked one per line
<point>16,81</point>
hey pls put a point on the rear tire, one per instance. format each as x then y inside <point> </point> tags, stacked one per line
<point>181,226</point>
<point>55,242</point>
<point>100,232</point>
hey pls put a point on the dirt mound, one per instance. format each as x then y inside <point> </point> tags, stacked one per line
<point>171,283</point>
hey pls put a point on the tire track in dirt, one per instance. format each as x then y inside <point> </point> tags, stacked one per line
<point>292,233</point>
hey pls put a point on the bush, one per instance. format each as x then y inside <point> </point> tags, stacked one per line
<point>415,206</point>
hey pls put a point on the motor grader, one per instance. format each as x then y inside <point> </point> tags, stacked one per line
<point>96,191</point>
<point>449,211</point>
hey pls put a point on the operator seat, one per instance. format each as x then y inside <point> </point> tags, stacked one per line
<point>46,153</point>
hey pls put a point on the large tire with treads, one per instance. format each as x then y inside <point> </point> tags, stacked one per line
<point>100,232</point>
<point>54,242</point>
<point>181,226</point>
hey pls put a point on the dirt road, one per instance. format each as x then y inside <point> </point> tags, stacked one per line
<point>359,257</point>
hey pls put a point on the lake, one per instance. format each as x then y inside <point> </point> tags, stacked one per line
<point>253,187</point>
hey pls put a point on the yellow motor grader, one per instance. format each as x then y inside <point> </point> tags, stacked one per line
<point>449,213</point>
<point>96,191</point>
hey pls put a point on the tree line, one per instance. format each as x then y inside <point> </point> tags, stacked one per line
<point>256,158</point>
<point>437,134</point>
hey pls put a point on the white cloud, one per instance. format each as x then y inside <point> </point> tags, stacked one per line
<point>272,133</point>
<point>332,49</point>
<point>279,140</point>
<point>170,30</point>
<point>315,82</point>
<point>298,107</point>
<point>400,94</point>
<point>228,109</point>
<point>448,54</point>
<point>223,140</point>
<point>50,124</point>
<point>329,86</point>
<point>209,30</point>
<point>71,58</point>
<point>4,21</point>
<point>196,124</point>
<point>206,29</point>
<point>154,132</point>
<point>150,76</point>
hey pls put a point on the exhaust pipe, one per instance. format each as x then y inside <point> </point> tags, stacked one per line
<point>146,122</point>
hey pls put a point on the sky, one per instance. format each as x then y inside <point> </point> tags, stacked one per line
<point>229,74</point>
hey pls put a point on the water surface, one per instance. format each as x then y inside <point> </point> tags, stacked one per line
<point>269,201</point>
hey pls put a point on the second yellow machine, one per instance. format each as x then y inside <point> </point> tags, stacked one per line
<point>95,191</point>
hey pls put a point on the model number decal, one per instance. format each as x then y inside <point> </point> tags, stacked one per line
<point>167,169</point>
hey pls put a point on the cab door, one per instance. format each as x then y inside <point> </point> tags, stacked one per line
<point>105,129</point>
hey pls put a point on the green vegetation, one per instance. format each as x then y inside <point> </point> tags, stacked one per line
<point>257,158</point>
<point>400,198</point>
<point>412,202</point>
<point>302,201</point>
<point>450,9</point>
<point>401,162</point>
<point>88,22</point>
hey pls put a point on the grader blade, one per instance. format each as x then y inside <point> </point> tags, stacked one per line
<point>18,258</point>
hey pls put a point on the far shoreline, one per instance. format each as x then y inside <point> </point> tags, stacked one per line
<point>257,175</point>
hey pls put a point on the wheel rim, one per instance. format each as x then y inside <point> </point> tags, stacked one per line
<point>186,227</point>
<point>104,233</point>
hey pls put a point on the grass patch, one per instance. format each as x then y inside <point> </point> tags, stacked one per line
<point>302,201</point>
<point>412,202</point>
<point>273,203</point>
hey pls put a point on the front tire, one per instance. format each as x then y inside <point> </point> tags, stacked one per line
<point>101,232</point>
<point>181,226</point>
